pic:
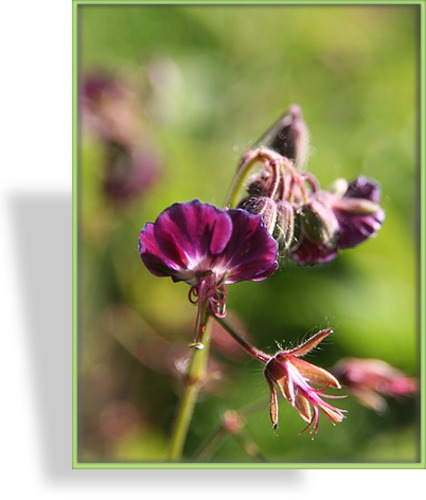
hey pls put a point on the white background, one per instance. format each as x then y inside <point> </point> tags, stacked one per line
<point>36,256</point>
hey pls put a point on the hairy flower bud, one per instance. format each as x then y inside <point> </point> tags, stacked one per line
<point>288,136</point>
<point>319,223</point>
<point>261,205</point>
<point>285,226</point>
<point>260,183</point>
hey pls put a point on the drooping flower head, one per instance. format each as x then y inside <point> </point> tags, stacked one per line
<point>369,380</point>
<point>208,248</point>
<point>310,224</point>
<point>294,377</point>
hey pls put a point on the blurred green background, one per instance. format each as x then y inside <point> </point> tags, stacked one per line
<point>208,81</point>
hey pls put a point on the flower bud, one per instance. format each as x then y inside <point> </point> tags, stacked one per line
<point>284,229</point>
<point>261,183</point>
<point>261,205</point>
<point>288,136</point>
<point>319,223</point>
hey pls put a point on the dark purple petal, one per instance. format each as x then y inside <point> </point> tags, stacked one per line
<point>192,233</point>
<point>186,238</point>
<point>151,254</point>
<point>193,238</point>
<point>354,229</point>
<point>251,253</point>
<point>309,252</point>
<point>362,187</point>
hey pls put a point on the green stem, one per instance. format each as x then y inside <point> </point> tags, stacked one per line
<point>194,379</point>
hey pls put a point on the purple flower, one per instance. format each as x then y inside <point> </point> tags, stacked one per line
<point>294,377</point>
<point>338,219</point>
<point>208,248</point>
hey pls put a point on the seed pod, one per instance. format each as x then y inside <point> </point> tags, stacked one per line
<point>261,205</point>
<point>319,223</point>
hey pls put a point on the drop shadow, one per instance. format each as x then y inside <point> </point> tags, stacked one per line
<point>42,236</point>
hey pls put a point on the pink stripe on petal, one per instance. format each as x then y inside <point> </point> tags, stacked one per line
<point>314,374</point>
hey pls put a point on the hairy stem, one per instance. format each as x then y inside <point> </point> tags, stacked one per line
<point>253,351</point>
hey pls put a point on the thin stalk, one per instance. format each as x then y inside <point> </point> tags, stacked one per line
<point>249,446</point>
<point>193,381</point>
<point>232,425</point>
<point>253,351</point>
<point>211,445</point>
<point>247,162</point>
<point>250,158</point>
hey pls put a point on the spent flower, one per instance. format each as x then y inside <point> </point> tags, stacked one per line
<point>294,377</point>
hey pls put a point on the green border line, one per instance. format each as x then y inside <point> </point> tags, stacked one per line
<point>422,252</point>
<point>74,234</point>
<point>239,3</point>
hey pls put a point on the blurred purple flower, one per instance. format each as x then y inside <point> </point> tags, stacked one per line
<point>368,380</point>
<point>208,248</point>
<point>294,376</point>
<point>104,97</point>
<point>132,163</point>
<point>128,172</point>
<point>334,220</point>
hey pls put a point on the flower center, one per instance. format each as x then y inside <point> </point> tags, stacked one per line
<point>208,289</point>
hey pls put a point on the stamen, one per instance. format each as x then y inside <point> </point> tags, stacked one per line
<point>217,301</point>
